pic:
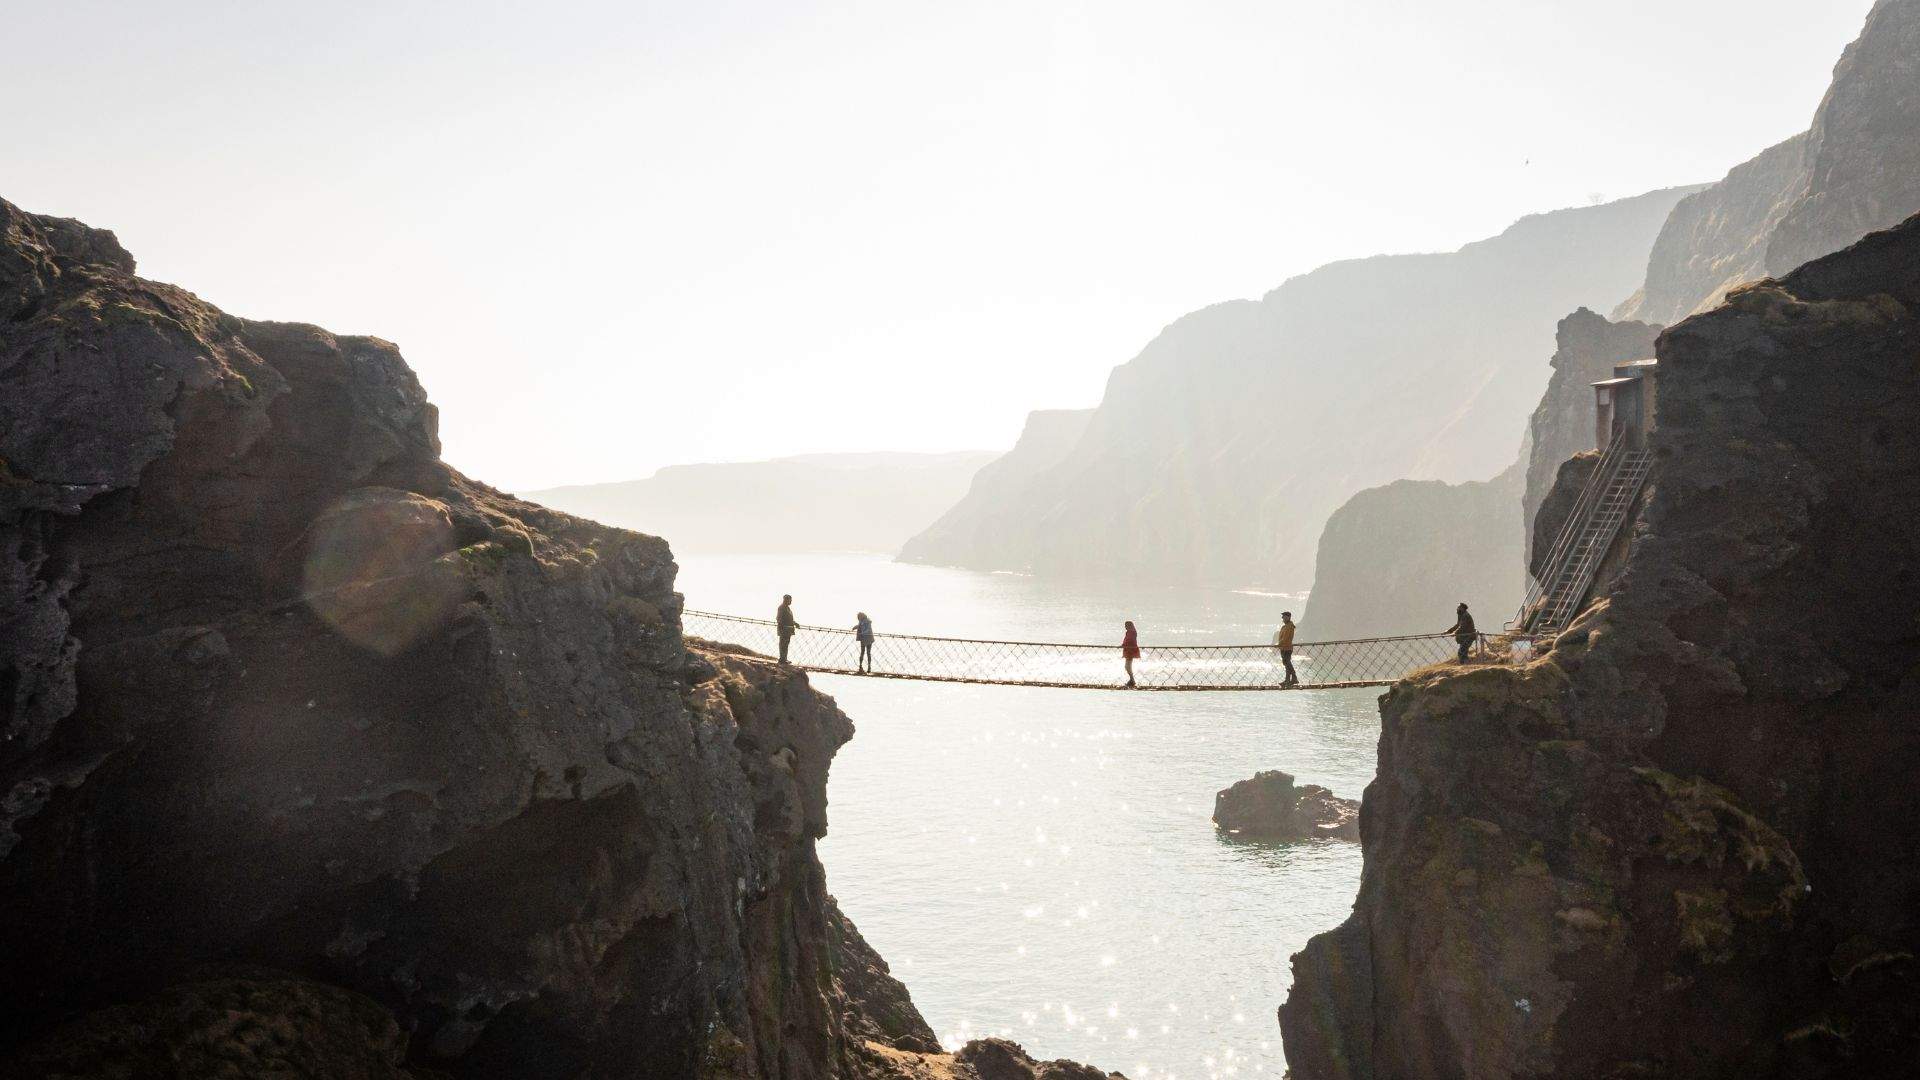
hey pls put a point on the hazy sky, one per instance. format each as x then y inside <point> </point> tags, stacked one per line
<point>616,235</point>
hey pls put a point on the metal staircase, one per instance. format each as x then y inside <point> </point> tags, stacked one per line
<point>1602,508</point>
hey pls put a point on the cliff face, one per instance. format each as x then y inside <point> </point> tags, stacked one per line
<point>1678,844</point>
<point>1562,424</point>
<point>966,534</point>
<point>1863,153</point>
<point>819,502</point>
<point>1857,169</point>
<point>1717,238</point>
<point>304,728</point>
<point>1396,559</point>
<point>1218,453</point>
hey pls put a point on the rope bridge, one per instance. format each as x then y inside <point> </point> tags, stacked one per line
<point>1322,665</point>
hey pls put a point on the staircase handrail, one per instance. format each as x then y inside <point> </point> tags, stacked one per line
<point>1557,555</point>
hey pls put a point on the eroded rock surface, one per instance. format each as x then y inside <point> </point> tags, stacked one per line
<point>1855,170</point>
<point>1269,806</point>
<point>1679,844</point>
<point>281,692</point>
<point>226,1029</point>
<point>999,1059</point>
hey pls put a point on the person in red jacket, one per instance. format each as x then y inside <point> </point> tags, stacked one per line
<point>1130,651</point>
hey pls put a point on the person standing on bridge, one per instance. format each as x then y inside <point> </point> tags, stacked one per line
<point>863,633</point>
<point>783,623</point>
<point>1130,651</point>
<point>1283,644</point>
<point>1463,632</point>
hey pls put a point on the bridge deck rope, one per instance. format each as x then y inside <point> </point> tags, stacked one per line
<point>1321,665</point>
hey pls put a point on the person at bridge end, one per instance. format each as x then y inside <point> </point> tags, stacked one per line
<point>1129,652</point>
<point>1463,632</point>
<point>863,633</point>
<point>783,622</point>
<point>1283,644</point>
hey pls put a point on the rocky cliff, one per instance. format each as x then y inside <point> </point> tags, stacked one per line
<point>1562,425</point>
<point>318,755</point>
<point>817,502</point>
<point>965,534</point>
<point>1679,843</point>
<point>1396,559</point>
<point>1218,452</point>
<point>1855,170</point>
<point>1717,238</point>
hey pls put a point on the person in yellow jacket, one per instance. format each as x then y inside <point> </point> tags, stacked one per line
<point>1283,643</point>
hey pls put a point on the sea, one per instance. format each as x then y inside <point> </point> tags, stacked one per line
<point>1041,864</point>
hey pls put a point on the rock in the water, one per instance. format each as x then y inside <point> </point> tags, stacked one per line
<point>1679,844</point>
<point>1269,807</point>
<point>999,1059</point>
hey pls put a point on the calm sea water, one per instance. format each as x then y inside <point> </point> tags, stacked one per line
<point>1041,864</point>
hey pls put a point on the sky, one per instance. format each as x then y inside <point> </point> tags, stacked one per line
<point>612,236</point>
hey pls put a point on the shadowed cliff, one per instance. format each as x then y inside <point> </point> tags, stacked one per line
<point>1854,171</point>
<point>319,758</point>
<point>1678,844</point>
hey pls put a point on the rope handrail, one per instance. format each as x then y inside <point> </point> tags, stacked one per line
<point>1353,662</point>
<point>1055,644</point>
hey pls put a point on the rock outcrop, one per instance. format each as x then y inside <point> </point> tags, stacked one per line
<point>1857,169</point>
<point>1679,844</point>
<point>1395,559</point>
<point>301,727</point>
<point>1562,425</point>
<point>998,1059</point>
<point>226,1029</point>
<point>1218,453</point>
<point>1268,806</point>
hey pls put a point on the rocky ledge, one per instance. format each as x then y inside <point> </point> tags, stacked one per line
<point>1269,807</point>
<point>320,758</point>
<point>1681,842</point>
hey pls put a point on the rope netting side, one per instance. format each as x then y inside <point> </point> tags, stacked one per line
<point>1319,664</point>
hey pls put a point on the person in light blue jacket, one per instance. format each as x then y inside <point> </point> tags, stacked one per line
<point>863,633</point>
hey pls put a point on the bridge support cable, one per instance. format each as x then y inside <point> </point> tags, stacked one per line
<point>1321,665</point>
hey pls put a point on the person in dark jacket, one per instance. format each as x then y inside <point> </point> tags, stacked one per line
<point>863,633</point>
<point>1463,632</point>
<point>783,622</point>
<point>1130,651</point>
